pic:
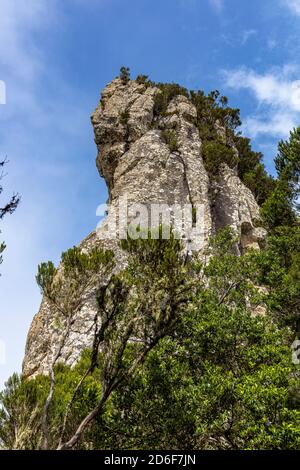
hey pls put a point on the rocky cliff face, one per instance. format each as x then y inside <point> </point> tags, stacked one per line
<point>137,161</point>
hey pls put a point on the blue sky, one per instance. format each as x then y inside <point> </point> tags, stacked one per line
<point>55,56</point>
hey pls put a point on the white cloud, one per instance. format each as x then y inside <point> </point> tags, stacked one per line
<point>271,43</point>
<point>217,5</point>
<point>277,94</point>
<point>18,53</point>
<point>293,5</point>
<point>276,125</point>
<point>247,34</point>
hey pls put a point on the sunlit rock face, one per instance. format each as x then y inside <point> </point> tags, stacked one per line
<point>141,168</point>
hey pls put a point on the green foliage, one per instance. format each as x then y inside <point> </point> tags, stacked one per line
<point>278,270</point>
<point>259,182</point>
<point>251,170</point>
<point>277,210</point>
<point>124,117</point>
<point>212,108</point>
<point>155,254</point>
<point>215,153</point>
<point>282,206</point>
<point>248,158</point>
<point>78,262</point>
<point>141,79</point>
<point>22,404</point>
<point>45,275</point>
<point>157,269</point>
<point>169,136</point>
<point>9,206</point>
<point>143,302</point>
<point>213,112</point>
<point>144,80</point>
<point>80,271</point>
<point>2,248</point>
<point>222,377</point>
<point>168,92</point>
<point>287,161</point>
<point>125,74</point>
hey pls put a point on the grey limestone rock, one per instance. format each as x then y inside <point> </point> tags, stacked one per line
<point>136,162</point>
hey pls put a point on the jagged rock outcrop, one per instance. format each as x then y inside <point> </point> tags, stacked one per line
<point>137,162</point>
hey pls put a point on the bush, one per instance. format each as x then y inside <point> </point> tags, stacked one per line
<point>124,117</point>
<point>144,80</point>
<point>214,154</point>
<point>168,92</point>
<point>214,107</point>
<point>252,171</point>
<point>169,136</point>
<point>125,74</point>
<point>277,210</point>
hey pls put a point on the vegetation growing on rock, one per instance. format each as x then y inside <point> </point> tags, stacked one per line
<point>169,136</point>
<point>213,111</point>
<point>210,375</point>
<point>186,352</point>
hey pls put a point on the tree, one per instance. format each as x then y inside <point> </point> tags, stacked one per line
<point>280,261</point>
<point>22,405</point>
<point>278,209</point>
<point>9,207</point>
<point>184,361</point>
<point>65,289</point>
<point>287,161</point>
<point>252,171</point>
<point>125,74</point>
<point>137,308</point>
<point>282,206</point>
<point>215,154</point>
<point>140,305</point>
<point>19,414</point>
<point>222,380</point>
<point>278,271</point>
<point>168,91</point>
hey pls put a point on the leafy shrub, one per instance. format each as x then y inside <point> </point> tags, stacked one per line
<point>168,92</point>
<point>124,117</point>
<point>215,153</point>
<point>252,171</point>
<point>144,80</point>
<point>125,74</point>
<point>214,107</point>
<point>282,206</point>
<point>220,379</point>
<point>169,136</point>
<point>277,210</point>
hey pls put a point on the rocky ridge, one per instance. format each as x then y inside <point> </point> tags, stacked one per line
<point>137,161</point>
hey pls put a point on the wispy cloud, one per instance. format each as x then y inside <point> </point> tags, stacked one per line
<point>246,35</point>
<point>217,5</point>
<point>293,5</point>
<point>277,93</point>
<point>271,43</point>
<point>18,20</point>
